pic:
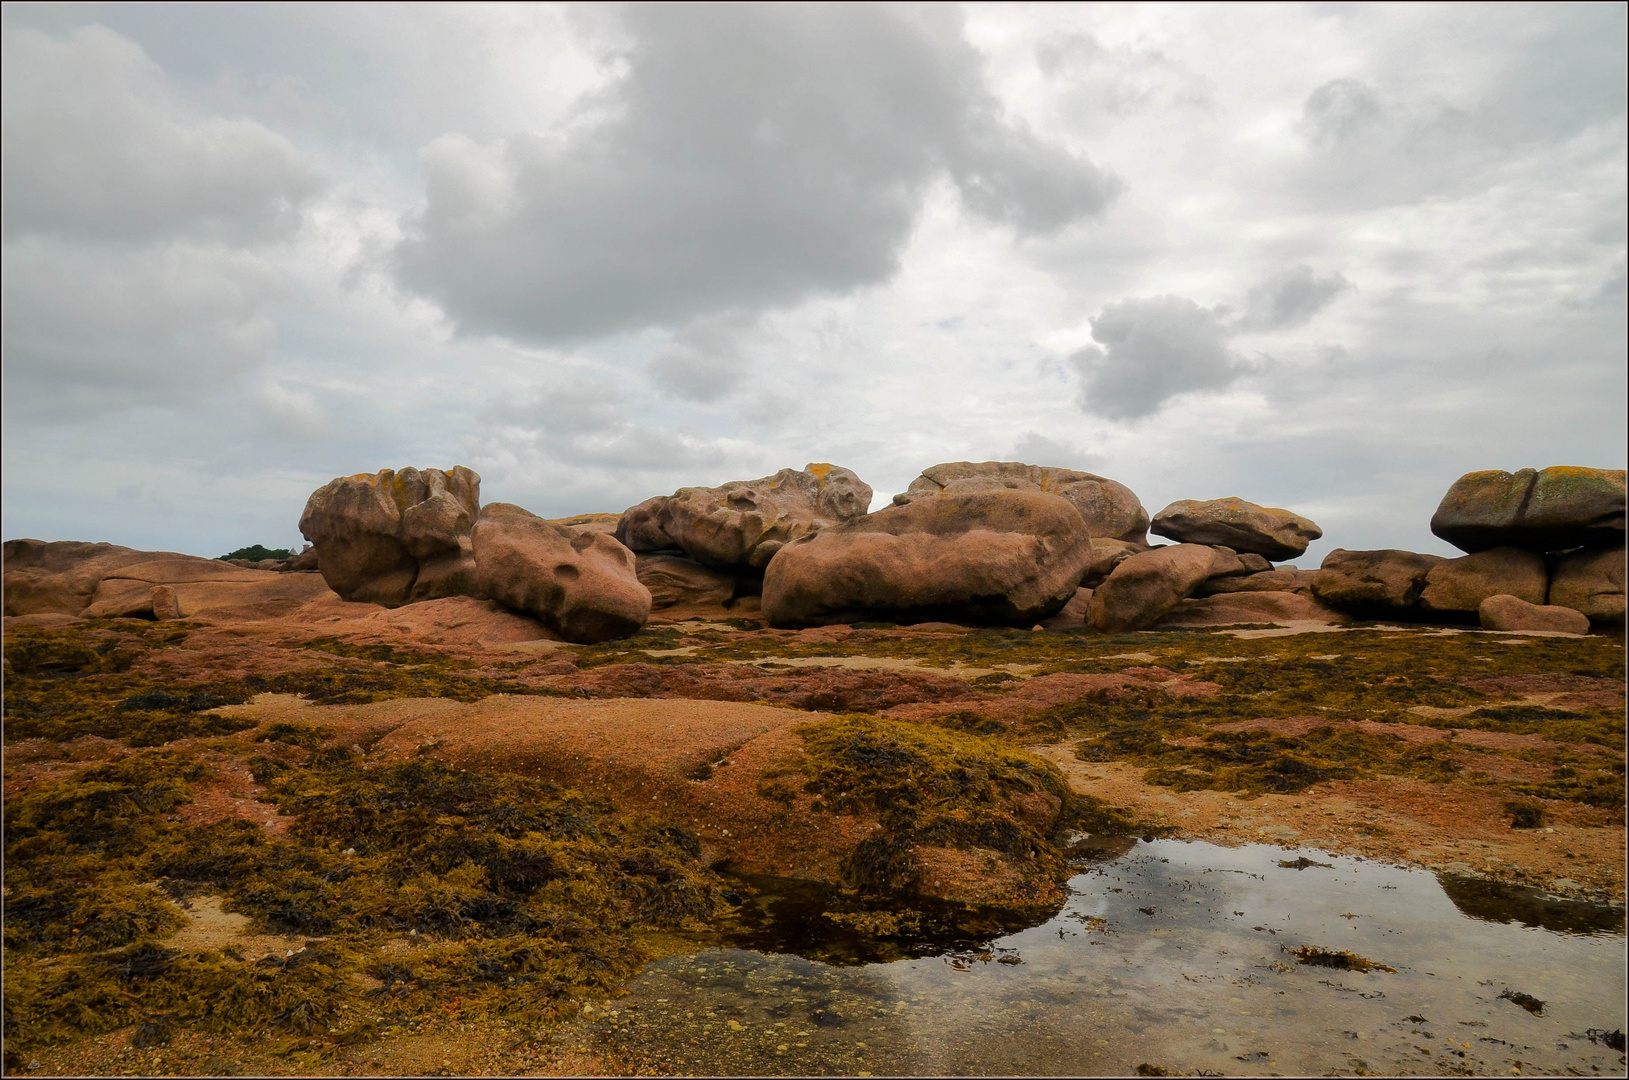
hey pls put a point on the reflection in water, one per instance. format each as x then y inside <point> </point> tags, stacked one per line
<point>1182,956</point>
<point>1497,902</point>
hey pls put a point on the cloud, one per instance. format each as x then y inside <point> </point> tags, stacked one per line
<point>1149,350</point>
<point>94,147</point>
<point>751,156</point>
<point>88,328</point>
<point>703,362</point>
<point>1037,449</point>
<point>1290,298</point>
<point>291,412</point>
<point>1340,111</point>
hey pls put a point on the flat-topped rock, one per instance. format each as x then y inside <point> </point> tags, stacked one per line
<point>1243,526</point>
<point>395,536</point>
<point>1109,508</point>
<point>986,557</point>
<point>1553,509</point>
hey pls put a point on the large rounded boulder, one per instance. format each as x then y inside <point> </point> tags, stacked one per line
<point>1383,583</point>
<point>983,557</point>
<point>1458,586</point>
<point>1591,581</point>
<point>743,523</point>
<point>1243,526</point>
<point>580,583</point>
<point>1148,586</point>
<point>1554,509</point>
<point>395,536</point>
<point>1109,508</point>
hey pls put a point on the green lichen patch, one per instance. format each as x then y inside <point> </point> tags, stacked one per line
<point>519,898</point>
<point>86,680</point>
<point>933,787</point>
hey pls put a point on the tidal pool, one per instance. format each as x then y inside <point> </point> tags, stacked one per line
<point>1171,955</point>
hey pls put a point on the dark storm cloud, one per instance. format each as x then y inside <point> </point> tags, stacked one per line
<point>1149,350</point>
<point>752,156</point>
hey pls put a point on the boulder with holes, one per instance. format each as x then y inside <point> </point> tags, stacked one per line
<point>580,583</point>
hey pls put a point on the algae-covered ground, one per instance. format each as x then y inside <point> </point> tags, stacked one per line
<point>349,911</point>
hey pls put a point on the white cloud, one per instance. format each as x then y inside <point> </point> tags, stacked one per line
<point>751,157</point>
<point>95,148</point>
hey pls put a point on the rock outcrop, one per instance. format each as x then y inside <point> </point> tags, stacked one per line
<point>105,581</point>
<point>1384,584</point>
<point>1243,526</point>
<point>1458,586</point>
<point>1551,509</point>
<point>1591,582</point>
<point>1296,581</point>
<point>1254,608</point>
<point>1109,508</point>
<point>581,584</point>
<point>675,581</point>
<point>1513,613</point>
<point>59,577</point>
<point>744,522</point>
<point>1148,586</point>
<point>396,536</point>
<point>1105,556</point>
<point>987,557</point>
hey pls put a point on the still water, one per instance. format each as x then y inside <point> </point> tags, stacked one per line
<point>1169,955</point>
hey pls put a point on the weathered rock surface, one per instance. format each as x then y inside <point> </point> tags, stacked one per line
<point>1072,614</point>
<point>744,522</point>
<point>1296,581</point>
<point>1514,613</point>
<point>986,557</point>
<point>60,577</point>
<point>1230,563</point>
<point>675,581</point>
<point>640,527</point>
<point>396,536</point>
<point>104,581</point>
<point>592,523</point>
<point>582,584</point>
<point>1147,586</point>
<point>1244,608</point>
<point>1106,554</point>
<point>1109,508</point>
<point>1591,582</point>
<point>1460,585</point>
<point>1382,583</point>
<point>1243,526</point>
<point>1552,509</point>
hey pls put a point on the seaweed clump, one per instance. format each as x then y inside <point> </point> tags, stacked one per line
<point>477,893</point>
<point>1343,959</point>
<point>936,788</point>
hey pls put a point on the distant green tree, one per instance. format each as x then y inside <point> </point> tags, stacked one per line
<point>255,552</point>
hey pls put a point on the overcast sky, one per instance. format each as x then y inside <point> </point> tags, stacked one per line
<point>1326,257</point>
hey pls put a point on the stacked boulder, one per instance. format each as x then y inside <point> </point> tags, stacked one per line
<point>988,556</point>
<point>710,545</point>
<point>1109,508</point>
<point>396,536</point>
<point>1219,573</point>
<point>1542,547</point>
